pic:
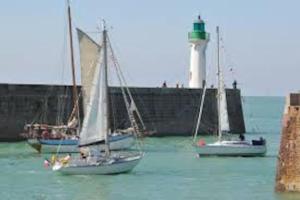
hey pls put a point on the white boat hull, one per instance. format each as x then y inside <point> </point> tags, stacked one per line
<point>118,144</point>
<point>226,149</point>
<point>101,168</point>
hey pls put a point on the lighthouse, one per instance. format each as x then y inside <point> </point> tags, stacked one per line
<point>198,40</point>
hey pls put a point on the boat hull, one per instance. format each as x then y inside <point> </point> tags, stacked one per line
<point>102,168</point>
<point>118,142</point>
<point>231,150</point>
<point>53,146</point>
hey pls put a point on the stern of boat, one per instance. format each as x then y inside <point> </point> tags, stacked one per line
<point>35,143</point>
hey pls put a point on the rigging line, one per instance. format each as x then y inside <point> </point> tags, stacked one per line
<point>61,101</point>
<point>64,47</point>
<point>132,103</point>
<point>64,104</point>
<point>200,112</point>
<point>223,61</point>
<point>146,112</point>
<point>130,94</point>
<point>202,100</point>
<point>60,106</point>
<point>37,117</point>
<point>58,109</point>
<point>131,117</point>
<point>40,114</point>
<point>229,68</point>
<point>116,51</point>
<point>43,116</point>
<point>63,53</point>
<point>227,57</point>
<point>75,92</point>
<point>113,106</point>
<point>113,103</point>
<point>125,83</point>
<point>219,84</point>
<point>121,84</point>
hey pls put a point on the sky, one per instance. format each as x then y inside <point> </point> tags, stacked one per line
<point>260,39</point>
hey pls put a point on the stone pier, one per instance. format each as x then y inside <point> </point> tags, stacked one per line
<point>165,111</point>
<point>288,165</point>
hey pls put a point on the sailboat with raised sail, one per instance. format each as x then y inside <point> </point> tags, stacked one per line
<point>64,137</point>
<point>89,59</point>
<point>231,146</point>
<point>47,138</point>
<point>96,129</point>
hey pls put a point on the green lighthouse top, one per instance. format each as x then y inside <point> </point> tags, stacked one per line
<point>198,32</point>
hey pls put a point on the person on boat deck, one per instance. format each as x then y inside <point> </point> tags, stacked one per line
<point>83,153</point>
<point>242,137</point>
<point>53,159</point>
<point>66,158</point>
<point>57,136</point>
<point>261,139</point>
<point>45,134</point>
<point>34,133</point>
<point>53,131</point>
<point>72,131</point>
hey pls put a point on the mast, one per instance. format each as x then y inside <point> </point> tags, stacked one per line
<point>106,87</point>
<point>219,84</point>
<point>75,93</point>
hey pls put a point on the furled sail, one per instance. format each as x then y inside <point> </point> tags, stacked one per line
<point>223,106</point>
<point>89,57</point>
<point>94,127</point>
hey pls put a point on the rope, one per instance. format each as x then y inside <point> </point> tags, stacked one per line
<point>125,92</point>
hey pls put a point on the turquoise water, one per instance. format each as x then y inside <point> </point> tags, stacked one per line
<point>169,170</point>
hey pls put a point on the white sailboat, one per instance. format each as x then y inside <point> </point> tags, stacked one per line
<point>47,138</point>
<point>89,59</point>
<point>226,147</point>
<point>95,131</point>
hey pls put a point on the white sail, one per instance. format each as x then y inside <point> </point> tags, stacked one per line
<point>95,121</point>
<point>223,105</point>
<point>89,56</point>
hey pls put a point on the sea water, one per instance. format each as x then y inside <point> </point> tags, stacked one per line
<point>169,170</point>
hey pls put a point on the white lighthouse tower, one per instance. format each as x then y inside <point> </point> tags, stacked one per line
<point>198,40</point>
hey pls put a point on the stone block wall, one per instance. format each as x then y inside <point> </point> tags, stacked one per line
<point>288,165</point>
<point>165,111</point>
